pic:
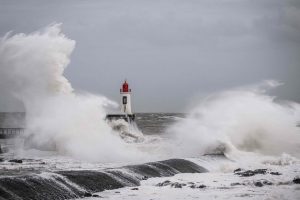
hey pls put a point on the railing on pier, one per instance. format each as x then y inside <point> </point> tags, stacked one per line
<point>10,132</point>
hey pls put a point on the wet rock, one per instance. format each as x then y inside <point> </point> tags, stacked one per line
<point>258,184</point>
<point>87,194</point>
<point>248,173</point>
<point>202,186</point>
<point>193,186</point>
<point>266,182</point>
<point>275,173</point>
<point>176,185</point>
<point>237,170</point>
<point>134,188</point>
<point>296,180</point>
<point>165,183</point>
<point>260,171</point>
<point>16,161</point>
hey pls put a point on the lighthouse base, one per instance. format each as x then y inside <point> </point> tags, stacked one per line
<point>126,117</point>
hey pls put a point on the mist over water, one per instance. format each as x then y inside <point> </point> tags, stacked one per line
<point>244,119</point>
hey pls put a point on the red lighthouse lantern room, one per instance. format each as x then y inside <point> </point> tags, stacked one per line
<point>125,87</point>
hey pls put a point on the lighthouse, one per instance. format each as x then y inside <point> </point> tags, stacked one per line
<point>126,112</point>
<point>125,92</point>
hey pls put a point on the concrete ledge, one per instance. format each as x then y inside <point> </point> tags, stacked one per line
<point>127,118</point>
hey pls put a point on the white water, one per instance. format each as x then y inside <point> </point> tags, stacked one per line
<point>31,68</point>
<point>243,119</point>
<point>235,121</point>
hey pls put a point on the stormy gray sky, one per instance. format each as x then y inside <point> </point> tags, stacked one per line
<point>171,51</point>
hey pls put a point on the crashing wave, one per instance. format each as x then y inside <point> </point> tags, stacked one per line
<point>129,132</point>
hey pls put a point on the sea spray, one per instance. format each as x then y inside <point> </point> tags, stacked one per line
<point>243,119</point>
<point>129,132</point>
<point>31,68</point>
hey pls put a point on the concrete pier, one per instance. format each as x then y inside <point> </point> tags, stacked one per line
<point>126,117</point>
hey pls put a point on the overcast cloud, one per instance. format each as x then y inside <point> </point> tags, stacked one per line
<point>169,50</point>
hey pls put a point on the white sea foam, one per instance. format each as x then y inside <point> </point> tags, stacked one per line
<point>129,132</point>
<point>240,120</point>
<point>284,159</point>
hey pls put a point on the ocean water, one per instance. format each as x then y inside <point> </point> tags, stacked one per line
<point>36,174</point>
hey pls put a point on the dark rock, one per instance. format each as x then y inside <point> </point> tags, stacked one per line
<point>144,177</point>
<point>96,195</point>
<point>237,170</point>
<point>258,184</point>
<point>193,186</point>
<point>117,192</point>
<point>16,161</point>
<point>202,186</point>
<point>275,173</point>
<point>296,180</point>
<point>165,183</point>
<point>260,171</point>
<point>176,185</point>
<point>265,182</point>
<point>134,188</point>
<point>1,159</point>
<point>87,194</point>
<point>251,172</point>
<point>246,173</point>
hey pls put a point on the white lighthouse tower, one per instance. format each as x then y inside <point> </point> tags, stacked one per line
<point>126,112</point>
<point>125,92</point>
